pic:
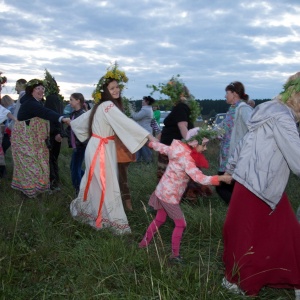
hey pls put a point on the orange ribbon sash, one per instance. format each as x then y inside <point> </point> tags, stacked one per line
<point>100,152</point>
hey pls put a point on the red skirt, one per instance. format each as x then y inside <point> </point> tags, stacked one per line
<point>261,247</point>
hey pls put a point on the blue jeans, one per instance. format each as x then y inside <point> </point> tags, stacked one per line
<point>76,166</point>
<point>144,154</point>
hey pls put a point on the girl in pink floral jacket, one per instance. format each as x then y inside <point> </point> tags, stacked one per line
<point>183,159</point>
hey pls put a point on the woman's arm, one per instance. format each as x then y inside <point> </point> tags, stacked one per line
<point>12,117</point>
<point>246,112</point>
<point>151,138</point>
<point>139,115</point>
<point>32,108</point>
<point>183,127</point>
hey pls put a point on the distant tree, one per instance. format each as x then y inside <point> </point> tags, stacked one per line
<point>259,101</point>
<point>209,108</point>
<point>219,106</point>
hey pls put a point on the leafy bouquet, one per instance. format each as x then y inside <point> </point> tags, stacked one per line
<point>176,90</point>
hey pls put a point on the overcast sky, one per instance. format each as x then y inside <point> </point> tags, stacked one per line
<point>209,43</point>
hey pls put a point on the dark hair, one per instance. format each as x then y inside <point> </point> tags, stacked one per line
<point>78,96</point>
<point>239,88</point>
<point>105,96</point>
<point>87,105</point>
<point>21,81</point>
<point>149,100</point>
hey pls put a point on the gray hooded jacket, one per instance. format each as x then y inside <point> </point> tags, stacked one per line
<point>264,157</point>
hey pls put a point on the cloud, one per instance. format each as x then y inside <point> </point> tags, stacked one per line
<point>208,43</point>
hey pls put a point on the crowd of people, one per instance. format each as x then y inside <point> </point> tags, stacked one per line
<point>259,146</point>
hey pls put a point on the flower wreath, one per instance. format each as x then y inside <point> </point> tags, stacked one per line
<point>3,79</point>
<point>175,89</point>
<point>112,73</point>
<point>33,82</point>
<point>292,86</point>
<point>202,132</point>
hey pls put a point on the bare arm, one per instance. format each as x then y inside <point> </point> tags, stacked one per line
<point>158,136</point>
<point>12,117</point>
<point>183,127</point>
<point>151,138</point>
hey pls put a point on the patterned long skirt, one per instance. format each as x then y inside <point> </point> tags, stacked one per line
<point>30,156</point>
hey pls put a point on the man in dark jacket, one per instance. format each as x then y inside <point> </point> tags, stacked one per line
<point>54,101</point>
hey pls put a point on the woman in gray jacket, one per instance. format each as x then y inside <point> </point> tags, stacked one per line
<point>235,127</point>
<point>144,118</point>
<point>261,232</point>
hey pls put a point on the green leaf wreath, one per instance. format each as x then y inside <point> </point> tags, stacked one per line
<point>175,89</point>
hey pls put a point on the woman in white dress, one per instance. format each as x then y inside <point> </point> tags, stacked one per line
<point>99,201</point>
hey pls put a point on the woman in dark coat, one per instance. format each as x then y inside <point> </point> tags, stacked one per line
<point>30,141</point>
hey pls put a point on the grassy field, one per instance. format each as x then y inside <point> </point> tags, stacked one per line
<point>45,254</point>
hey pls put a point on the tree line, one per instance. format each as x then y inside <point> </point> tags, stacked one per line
<point>209,108</point>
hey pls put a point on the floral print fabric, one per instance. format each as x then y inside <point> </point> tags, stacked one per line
<point>227,125</point>
<point>180,169</point>
<point>31,157</point>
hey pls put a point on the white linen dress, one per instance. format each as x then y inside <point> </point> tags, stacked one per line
<point>99,201</point>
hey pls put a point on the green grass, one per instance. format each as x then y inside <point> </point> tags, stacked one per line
<point>45,254</point>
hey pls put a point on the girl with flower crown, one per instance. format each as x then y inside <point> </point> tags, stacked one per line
<point>261,232</point>
<point>99,202</point>
<point>184,159</point>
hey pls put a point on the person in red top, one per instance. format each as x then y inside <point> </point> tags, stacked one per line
<point>184,159</point>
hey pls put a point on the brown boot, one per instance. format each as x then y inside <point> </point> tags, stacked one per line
<point>127,205</point>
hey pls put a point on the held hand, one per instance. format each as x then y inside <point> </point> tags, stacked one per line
<point>151,138</point>
<point>66,120</point>
<point>225,178</point>
<point>58,138</point>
